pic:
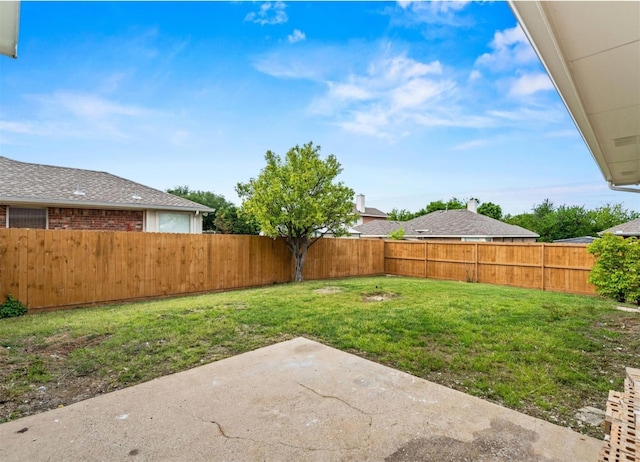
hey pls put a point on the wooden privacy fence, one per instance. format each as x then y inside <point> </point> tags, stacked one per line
<point>554,267</point>
<point>47,269</point>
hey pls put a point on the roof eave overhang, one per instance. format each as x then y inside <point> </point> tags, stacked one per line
<point>534,22</point>
<point>9,25</point>
<point>606,128</point>
<point>101,205</point>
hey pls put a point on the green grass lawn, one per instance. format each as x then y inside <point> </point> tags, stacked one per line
<point>542,353</point>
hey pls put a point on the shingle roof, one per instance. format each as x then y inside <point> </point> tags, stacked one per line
<point>630,228</point>
<point>381,228</point>
<point>447,223</point>
<point>370,212</point>
<point>22,182</point>
<point>576,240</point>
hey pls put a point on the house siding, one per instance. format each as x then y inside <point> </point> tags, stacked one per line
<point>95,219</point>
<point>3,216</point>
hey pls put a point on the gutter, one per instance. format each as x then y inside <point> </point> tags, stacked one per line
<point>622,188</point>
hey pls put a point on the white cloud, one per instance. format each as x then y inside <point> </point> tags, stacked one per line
<point>296,36</point>
<point>432,12</point>
<point>79,115</point>
<point>23,128</point>
<point>386,93</point>
<point>348,91</point>
<point>417,92</point>
<point>92,106</point>
<point>474,75</point>
<point>470,145</point>
<point>510,48</point>
<point>269,13</point>
<point>529,84</point>
<point>393,93</point>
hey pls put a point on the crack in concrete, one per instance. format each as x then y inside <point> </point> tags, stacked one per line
<point>269,443</point>
<point>368,414</point>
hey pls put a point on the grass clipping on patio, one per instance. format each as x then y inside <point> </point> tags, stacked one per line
<point>545,354</point>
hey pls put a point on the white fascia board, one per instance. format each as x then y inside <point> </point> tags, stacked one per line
<point>9,25</point>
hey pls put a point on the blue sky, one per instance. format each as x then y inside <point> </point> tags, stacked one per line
<point>419,101</point>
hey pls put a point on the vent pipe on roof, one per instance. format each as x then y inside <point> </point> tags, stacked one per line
<point>78,191</point>
<point>360,203</point>
<point>472,206</point>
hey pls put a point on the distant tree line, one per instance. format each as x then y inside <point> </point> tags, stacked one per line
<point>549,221</point>
<point>565,221</point>
<point>486,208</point>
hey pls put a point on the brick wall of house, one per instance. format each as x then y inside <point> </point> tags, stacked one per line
<point>95,219</point>
<point>3,216</point>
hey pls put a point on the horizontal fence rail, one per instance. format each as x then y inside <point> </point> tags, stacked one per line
<point>48,269</point>
<point>554,267</point>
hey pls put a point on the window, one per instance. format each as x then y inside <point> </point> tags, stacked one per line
<point>19,217</point>
<point>171,222</point>
<point>477,239</point>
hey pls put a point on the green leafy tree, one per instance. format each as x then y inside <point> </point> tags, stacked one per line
<point>566,221</point>
<point>400,215</point>
<point>226,219</point>
<point>616,272</point>
<point>610,215</point>
<point>297,199</point>
<point>234,221</point>
<point>491,210</point>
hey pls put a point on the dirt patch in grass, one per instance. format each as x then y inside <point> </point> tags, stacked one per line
<point>626,324</point>
<point>328,290</point>
<point>25,391</point>
<point>379,297</point>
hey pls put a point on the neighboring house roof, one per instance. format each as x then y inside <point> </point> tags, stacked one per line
<point>370,212</point>
<point>381,228</point>
<point>446,223</point>
<point>25,183</point>
<point>630,228</point>
<point>576,240</point>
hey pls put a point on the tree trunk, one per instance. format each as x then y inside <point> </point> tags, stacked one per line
<point>298,247</point>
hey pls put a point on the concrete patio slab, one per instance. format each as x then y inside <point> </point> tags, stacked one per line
<point>296,400</point>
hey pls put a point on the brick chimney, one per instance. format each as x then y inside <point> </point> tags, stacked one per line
<point>360,203</point>
<point>472,206</point>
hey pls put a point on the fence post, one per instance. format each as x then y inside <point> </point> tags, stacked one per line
<point>426,257</point>
<point>475,269</point>
<point>542,264</point>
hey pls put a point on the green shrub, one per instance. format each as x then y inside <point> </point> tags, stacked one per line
<point>397,235</point>
<point>11,308</point>
<point>616,272</point>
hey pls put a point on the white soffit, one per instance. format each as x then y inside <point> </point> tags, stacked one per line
<point>591,50</point>
<point>9,20</point>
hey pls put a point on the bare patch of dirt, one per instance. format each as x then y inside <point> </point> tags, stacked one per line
<point>19,397</point>
<point>379,297</point>
<point>626,324</point>
<point>328,290</point>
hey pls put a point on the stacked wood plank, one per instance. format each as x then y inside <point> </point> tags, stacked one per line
<point>621,420</point>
